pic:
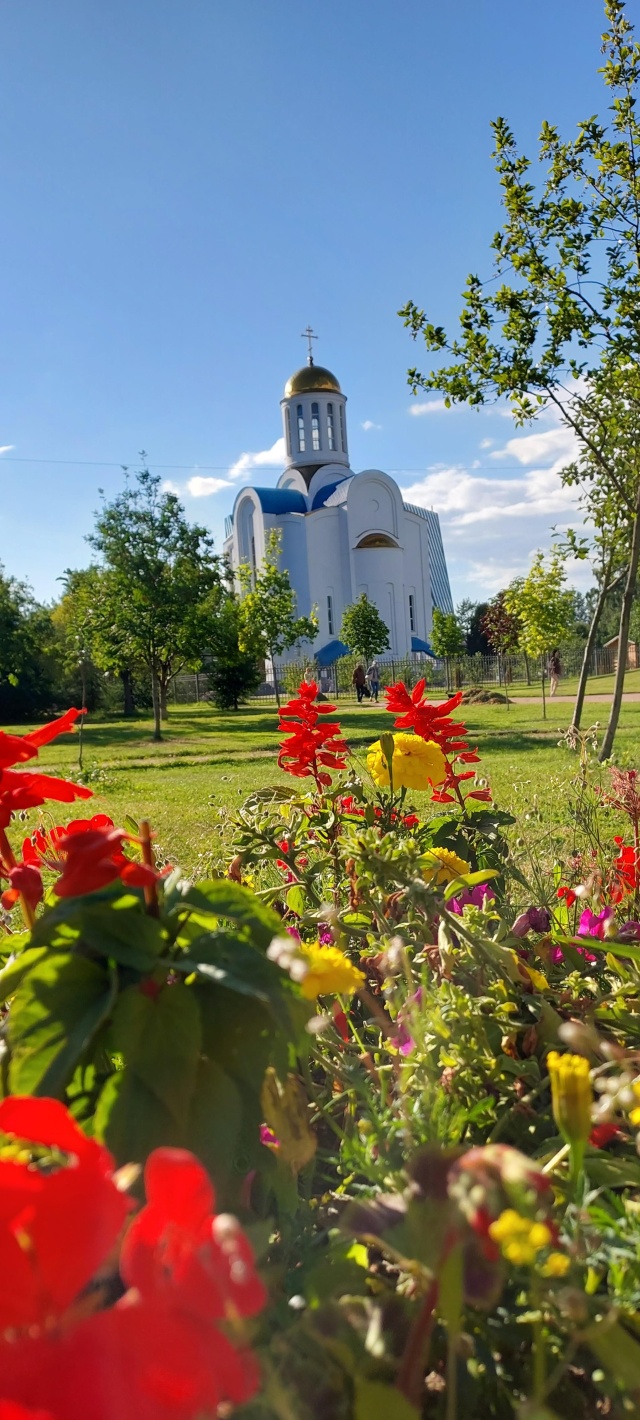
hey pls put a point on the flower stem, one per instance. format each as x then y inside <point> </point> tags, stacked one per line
<point>10,861</point>
<point>416,1351</point>
<point>150,892</point>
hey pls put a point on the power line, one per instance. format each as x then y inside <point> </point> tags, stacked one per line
<point>196,468</point>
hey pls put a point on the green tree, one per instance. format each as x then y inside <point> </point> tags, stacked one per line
<point>269,624</point>
<point>233,673</point>
<point>160,570</point>
<point>557,326</point>
<point>543,606</point>
<point>27,665</point>
<point>447,638</point>
<point>363,629</point>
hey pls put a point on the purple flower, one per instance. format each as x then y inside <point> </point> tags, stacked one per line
<point>325,935</point>
<point>630,931</point>
<point>470,897</point>
<point>594,926</point>
<point>535,919</point>
<point>403,1041</point>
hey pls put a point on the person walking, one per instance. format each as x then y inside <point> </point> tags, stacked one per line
<point>373,676</point>
<point>555,671</point>
<point>359,679</point>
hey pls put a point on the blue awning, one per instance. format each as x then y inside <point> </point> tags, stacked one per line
<point>418,645</point>
<point>331,652</point>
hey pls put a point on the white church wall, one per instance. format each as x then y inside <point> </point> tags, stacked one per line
<point>325,563</point>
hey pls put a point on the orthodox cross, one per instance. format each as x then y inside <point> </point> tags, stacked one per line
<point>309,335</point>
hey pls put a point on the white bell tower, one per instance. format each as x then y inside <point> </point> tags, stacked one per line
<point>314,416</point>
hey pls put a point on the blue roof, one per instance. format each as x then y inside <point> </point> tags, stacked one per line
<point>418,645</point>
<point>281,500</point>
<point>331,652</point>
<point>320,498</point>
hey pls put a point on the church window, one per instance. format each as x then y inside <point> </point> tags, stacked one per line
<point>287,428</point>
<point>343,440</point>
<point>412,611</point>
<point>330,614</point>
<point>315,427</point>
<point>301,439</point>
<point>331,428</point>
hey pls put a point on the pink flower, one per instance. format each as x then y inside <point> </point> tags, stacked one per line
<point>471,897</point>
<point>595,926</point>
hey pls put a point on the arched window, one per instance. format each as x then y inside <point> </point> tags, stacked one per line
<point>315,427</point>
<point>412,611</point>
<point>331,428</point>
<point>301,439</point>
<point>330,614</point>
<point>287,428</point>
<point>343,439</point>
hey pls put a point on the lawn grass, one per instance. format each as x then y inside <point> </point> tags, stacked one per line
<point>209,761</point>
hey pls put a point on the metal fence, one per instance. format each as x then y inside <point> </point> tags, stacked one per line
<point>460,673</point>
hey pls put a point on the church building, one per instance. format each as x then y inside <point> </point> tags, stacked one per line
<point>342,532</point>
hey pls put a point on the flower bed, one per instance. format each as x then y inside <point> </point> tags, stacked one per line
<point>349,1131</point>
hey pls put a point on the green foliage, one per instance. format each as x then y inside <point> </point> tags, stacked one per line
<point>268,621</point>
<point>556,327</point>
<point>26,644</point>
<point>363,629</point>
<point>159,569</point>
<point>139,1023</point>
<point>447,636</point>
<point>501,627</point>
<point>542,604</point>
<point>233,671</point>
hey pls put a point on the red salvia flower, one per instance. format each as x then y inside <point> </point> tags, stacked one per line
<point>25,790</point>
<point>433,722</point>
<point>176,1247</point>
<point>158,1353</point>
<point>625,871</point>
<point>25,881</point>
<point>56,1226</point>
<point>89,854</point>
<point>568,894</point>
<point>310,748</point>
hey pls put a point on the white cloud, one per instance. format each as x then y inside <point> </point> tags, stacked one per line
<point>558,443</point>
<point>200,487</point>
<point>6,448</point>
<point>275,455</point>
<point>369,424</point>
<point>428,406</point>
<point>487,443</point>
<point>168,486</point>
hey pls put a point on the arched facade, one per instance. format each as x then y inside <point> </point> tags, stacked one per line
<point>342,533</point>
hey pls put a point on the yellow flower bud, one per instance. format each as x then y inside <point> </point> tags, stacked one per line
<point>571,1096</point>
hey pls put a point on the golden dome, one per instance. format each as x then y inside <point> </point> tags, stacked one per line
<point>309,378</point>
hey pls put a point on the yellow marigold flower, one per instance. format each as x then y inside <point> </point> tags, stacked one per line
<point>329,972</point>
<point>417,764</point>
<point>571,1095</point>
<point>441,865</point>
<point>520,1239</point>
<point>556,1265</point>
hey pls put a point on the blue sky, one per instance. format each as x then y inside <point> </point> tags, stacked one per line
<point>187,183</point>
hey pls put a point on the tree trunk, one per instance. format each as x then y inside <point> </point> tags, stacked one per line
<point>275,678</point>
<point>623,635</point>
<point>588,649</point>
<point>163,684</point>
<point>544,703</point>
<point>527,668</point>
<point>155,691</point>
<point>127,690</point>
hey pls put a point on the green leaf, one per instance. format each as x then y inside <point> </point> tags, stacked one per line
<point>231,962</point>
<point>618,1351</point>
<point>296,900</point>
<point>222,898</point>
<point>55,1013</point>
<point>469,880</point>
<point>160,1039</point>
<point>131,1120</point>
<point>376,1401</point>
<point>113,926</point>
<point>12,974</point>
<point>215,1129</point>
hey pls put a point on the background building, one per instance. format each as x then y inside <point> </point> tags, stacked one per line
<point>343,533</point>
